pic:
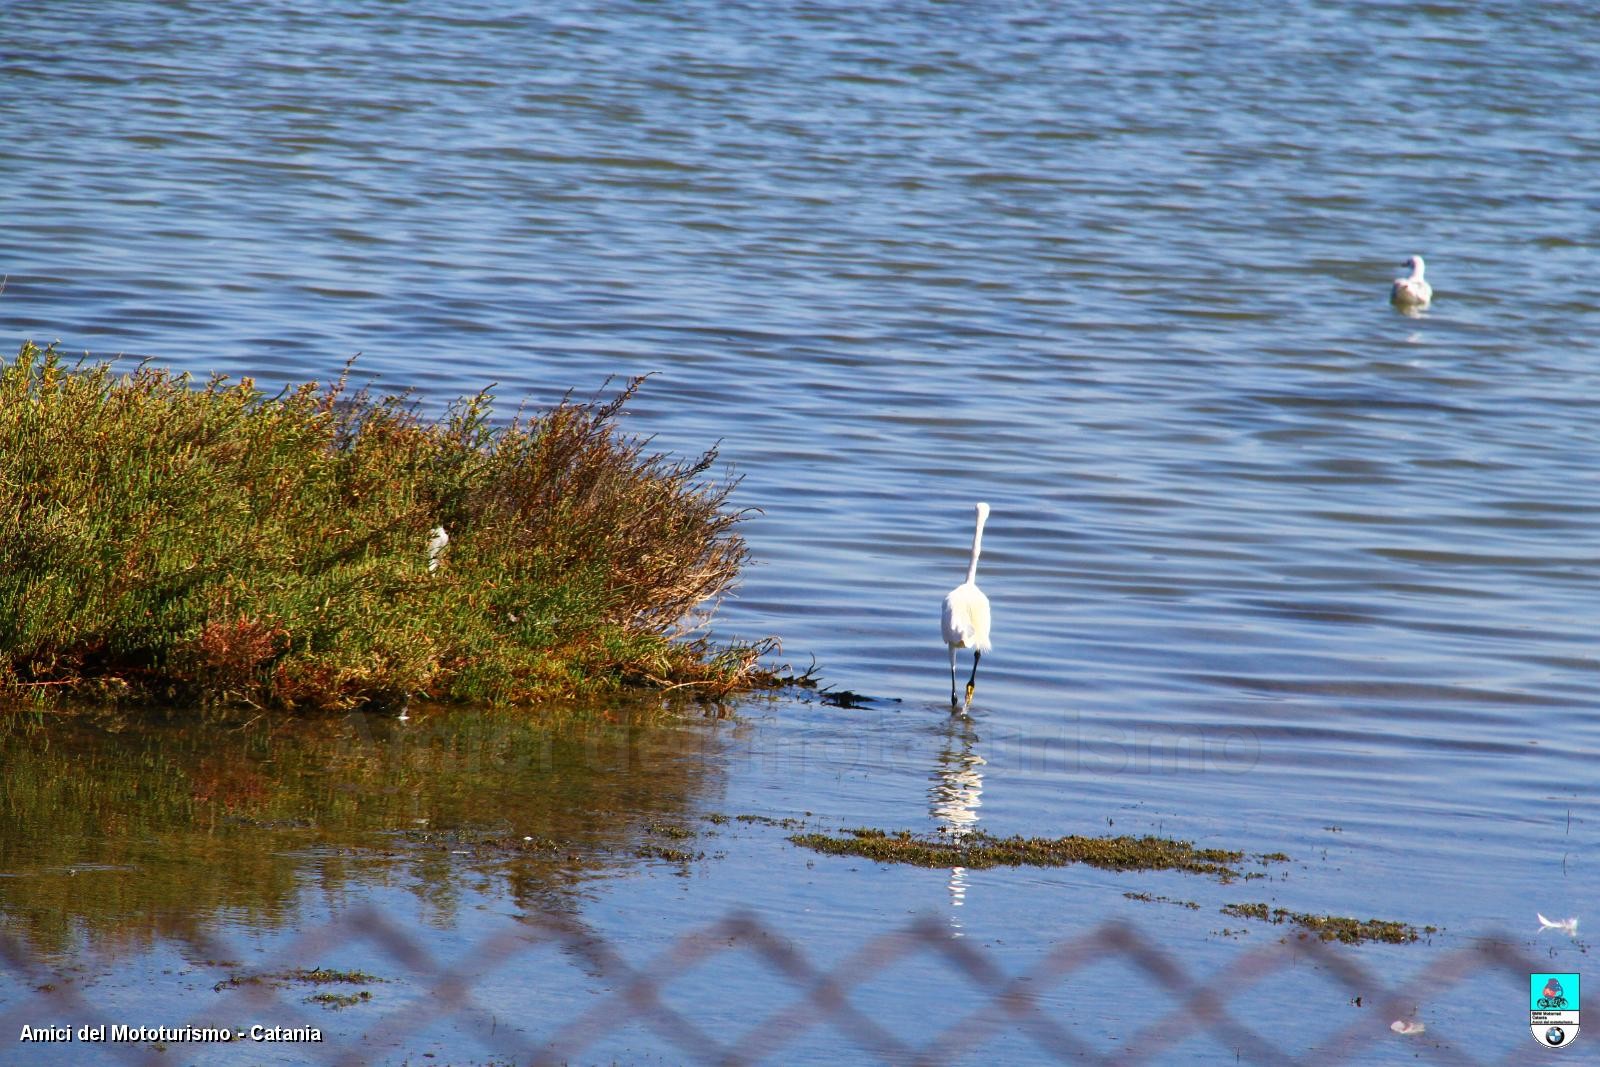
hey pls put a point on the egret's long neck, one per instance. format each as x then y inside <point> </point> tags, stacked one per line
<point>977,545</point>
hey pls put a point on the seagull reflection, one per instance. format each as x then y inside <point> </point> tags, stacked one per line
<point>955,795</point>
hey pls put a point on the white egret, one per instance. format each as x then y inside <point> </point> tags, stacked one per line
<point>436,542</point>
<point>1411,293</point>
<point>966,615</point>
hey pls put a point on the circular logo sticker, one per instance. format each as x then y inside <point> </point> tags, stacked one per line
<point>1553,1008</point>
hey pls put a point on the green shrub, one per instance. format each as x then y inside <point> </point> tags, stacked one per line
<point>203,544</point>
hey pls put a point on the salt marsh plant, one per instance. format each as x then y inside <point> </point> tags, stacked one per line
<point>163,539</point>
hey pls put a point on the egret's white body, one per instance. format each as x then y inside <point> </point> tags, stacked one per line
<point>1411,293</point>
<point>965,620</point>
<point>436,542</point>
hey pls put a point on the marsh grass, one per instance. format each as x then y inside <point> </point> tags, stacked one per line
<point>211,543</point>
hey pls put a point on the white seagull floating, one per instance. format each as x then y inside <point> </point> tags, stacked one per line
<point>965,620</point>
<point>1411,293</point>
<point>1407,1026</point>
<point>1567,926</point>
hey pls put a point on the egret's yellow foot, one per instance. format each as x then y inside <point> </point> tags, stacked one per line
<point>970,688</point>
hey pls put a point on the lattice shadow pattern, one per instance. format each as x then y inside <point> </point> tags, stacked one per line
<point>813,996</point>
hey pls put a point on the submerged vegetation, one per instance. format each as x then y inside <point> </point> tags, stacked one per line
<point>206,544</point>
<point>1333,927</point>
<point>978,850</point>
<point>316,976</point>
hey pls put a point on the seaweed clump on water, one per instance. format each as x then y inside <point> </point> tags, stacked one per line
<point>1332,927</point>
<point>979,850</point>
<point>210,543</point>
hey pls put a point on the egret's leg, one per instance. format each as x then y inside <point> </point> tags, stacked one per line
<point>972,682</point>
<point>952,676</point>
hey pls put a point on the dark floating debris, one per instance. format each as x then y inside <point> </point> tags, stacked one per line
<point>844,698</point>
<point>767,820</point>
<point>839,698</point>
<point>1148,899</point>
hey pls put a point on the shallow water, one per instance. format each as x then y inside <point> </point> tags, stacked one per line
<point>1272,566</point>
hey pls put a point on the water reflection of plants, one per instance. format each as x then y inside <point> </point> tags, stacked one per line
<point>124,829</point>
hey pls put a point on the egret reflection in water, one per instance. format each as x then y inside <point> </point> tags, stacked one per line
<point>956,794</point>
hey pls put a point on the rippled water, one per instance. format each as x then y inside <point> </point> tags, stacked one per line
<point>1266,557</point>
